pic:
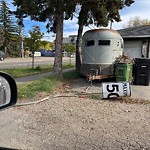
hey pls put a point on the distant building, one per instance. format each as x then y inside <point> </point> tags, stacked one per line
<point>71,39</point>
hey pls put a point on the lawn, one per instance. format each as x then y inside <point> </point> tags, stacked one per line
<point>47,85</point>
<point>21,72</point>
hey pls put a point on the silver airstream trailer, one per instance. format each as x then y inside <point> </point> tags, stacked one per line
<point>100,47</point>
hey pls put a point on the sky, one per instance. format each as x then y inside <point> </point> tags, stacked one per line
<point>140,8</point>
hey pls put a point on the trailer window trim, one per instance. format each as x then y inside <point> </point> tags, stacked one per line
<point>104,42</point>
<point>90,43</point>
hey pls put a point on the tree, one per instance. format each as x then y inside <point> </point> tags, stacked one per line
<point>8,27</point>
<point>136,21</point>
<point>55,11</point>
<point>34,41</point>
<point>99,13</point>
<point>46,45</point>
<point>70,49</point>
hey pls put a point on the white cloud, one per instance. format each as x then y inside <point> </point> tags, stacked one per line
<point>71,25</point>
<point>140,8</point>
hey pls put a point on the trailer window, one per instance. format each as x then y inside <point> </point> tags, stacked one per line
<point>104,42</point>
<point>89,43</point>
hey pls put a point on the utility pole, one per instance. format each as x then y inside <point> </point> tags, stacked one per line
<point>21,31</point>
<point>22,44</point>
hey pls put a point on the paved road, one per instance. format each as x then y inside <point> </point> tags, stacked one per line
<point>27,62</point>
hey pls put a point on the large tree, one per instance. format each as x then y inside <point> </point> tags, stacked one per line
<point>136,21</point>
<point>8,28</point>
<point>53,11</point>
<point>99,13</point>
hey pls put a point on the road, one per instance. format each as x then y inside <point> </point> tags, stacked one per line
<point>27,62</point>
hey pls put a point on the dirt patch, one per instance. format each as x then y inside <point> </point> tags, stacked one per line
<point>71,122</point>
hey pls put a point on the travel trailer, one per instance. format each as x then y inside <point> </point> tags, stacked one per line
<point>100,47</point>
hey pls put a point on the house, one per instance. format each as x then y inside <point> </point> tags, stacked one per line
<point>136,41</point>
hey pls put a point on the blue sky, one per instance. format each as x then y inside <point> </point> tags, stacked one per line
<point>140,8</point>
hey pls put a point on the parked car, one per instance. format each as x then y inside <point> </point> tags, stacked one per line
<point>47,53</point>
<point>36,54</point>
<point>2,55</point>
<point>42,51</point>
<point>51,53</point>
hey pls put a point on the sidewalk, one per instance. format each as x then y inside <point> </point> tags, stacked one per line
<point>32,78</point>
<point>137,91</point>
<point>141,92</point>
<point>36,76</point>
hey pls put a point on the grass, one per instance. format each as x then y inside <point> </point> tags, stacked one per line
<point>30,90</point>
<point>47,84</point>
<point>21,72</point>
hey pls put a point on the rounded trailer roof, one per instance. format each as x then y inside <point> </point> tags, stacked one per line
<point>101,33</point>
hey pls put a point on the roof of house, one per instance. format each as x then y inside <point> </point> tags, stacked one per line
<point>135,32</point>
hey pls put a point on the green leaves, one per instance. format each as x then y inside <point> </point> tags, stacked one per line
<point>35,37</point>
<point>70,48</point>
<point>8,28</point>
<point>102,11</point>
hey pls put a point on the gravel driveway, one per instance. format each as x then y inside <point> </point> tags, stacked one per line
<point>73,123</point>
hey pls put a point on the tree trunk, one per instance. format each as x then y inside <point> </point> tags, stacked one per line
<point>82,17</point>
<point>32,60</point>
<point>78,48</point>
<point>70,60</point>
<point>58,46</point>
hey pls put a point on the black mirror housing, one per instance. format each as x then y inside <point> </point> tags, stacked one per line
<point>8,91</point>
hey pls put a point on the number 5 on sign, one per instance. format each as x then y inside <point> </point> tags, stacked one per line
<point>116,89</point>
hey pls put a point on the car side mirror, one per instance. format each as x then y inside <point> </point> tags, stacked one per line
<point>8,91</point>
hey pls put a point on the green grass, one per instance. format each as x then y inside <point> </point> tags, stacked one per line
<point>21,72</point>
<point>95,96</point>
<point>31,89</point>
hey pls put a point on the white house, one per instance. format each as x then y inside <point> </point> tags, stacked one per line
<point>136,41</point>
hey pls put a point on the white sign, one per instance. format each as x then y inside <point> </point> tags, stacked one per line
<point>116,89</point>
